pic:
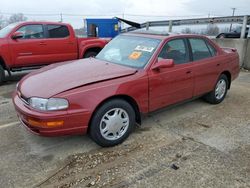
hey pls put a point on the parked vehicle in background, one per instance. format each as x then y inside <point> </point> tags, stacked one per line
<point>134,74</point>
<point>235,34</point>
<point>29,45</point>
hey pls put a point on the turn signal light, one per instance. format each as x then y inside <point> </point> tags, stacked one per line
<point>37,123</point>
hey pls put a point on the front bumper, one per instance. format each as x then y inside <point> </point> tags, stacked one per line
<point>73,122</point>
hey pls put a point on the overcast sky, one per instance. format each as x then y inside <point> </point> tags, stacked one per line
<point>74,11</point>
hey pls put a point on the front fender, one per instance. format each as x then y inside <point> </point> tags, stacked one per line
<point>89,97</point>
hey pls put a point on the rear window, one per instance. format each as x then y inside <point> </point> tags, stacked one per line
<point>58,31</point>
<point>199,49</point>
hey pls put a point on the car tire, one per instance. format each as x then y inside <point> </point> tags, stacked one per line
<point>220,91</point>
<point>90,54</point>
<point>112,123</point>
<point>222,36</point>
<point>2,75</point>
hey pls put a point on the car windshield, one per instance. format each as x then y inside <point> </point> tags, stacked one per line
<point>5,31</point>
<point>132,51</point>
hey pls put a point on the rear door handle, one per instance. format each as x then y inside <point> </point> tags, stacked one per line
<point>218,64</point>
<point>189,72</point>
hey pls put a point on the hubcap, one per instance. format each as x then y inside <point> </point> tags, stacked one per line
<point>220,89</point>
<point>114,124</point>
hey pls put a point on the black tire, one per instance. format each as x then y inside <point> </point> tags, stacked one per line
<point>95,126</point>
<point>2,75</point>
<point>222,36</point>
<point>90,54</point>
<point>211,97</point>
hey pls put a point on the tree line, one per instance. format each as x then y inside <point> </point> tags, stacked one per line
<point>18,17</point>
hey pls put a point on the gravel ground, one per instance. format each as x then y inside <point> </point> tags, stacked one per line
<point>194,144</point>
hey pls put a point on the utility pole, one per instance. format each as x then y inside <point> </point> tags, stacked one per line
<point>123,17</point>
<point>61,20</point>
<point>232,15</point>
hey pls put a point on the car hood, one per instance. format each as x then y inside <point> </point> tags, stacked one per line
<point>57,78</point>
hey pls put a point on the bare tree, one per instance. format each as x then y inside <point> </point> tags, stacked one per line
<point>187,30</point>
<point>2,21</point>
<point>212,29</point>
<point>16,18</point>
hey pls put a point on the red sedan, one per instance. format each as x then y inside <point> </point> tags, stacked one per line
<point>134,74</point>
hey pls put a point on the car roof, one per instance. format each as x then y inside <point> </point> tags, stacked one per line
<point>161,35</point>
<point>41,22</point>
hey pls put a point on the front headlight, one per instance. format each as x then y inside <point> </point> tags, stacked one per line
<point>48,104</point>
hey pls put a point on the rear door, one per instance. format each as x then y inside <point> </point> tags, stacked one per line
<point>206,65</point>
<point>28,50</point>
<point>171,85</point>
<point>61,44</point>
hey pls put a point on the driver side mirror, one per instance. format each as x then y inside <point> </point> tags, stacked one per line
<point>17,35</point>
<point>163,63</point>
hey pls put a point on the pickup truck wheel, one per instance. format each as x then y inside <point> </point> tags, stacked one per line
<point>2,74</point>
<point>220,90</point>
<point>90,54</point>
<point>112,123</point>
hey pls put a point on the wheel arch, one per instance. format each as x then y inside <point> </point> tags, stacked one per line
<point>2,62</point>
<point>229,77</point>
<point>4,65</point>
<point>221,34</point>
<point>126,98</point>
<point>91,49</point>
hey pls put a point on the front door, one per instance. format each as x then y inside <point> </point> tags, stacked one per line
<point>28,50</point>
<point>171,85</point>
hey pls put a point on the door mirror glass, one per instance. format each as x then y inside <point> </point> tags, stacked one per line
<point>17,35</point>
<point>163,63</point>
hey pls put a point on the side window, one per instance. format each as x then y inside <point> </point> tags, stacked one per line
<point>211,49</point>
<point>32,31</point>
<point>199,49</point>
<point>175,49</point>
<point>58,31</point>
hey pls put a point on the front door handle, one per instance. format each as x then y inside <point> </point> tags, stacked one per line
<point>189,72</point>
<point>42,43</point>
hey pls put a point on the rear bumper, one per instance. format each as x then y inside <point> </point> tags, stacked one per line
<point>73,122</point>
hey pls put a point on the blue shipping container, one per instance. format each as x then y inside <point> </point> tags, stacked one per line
<point>103,27</point>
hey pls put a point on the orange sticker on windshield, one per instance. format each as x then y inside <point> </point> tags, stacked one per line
<point>135,55</point>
